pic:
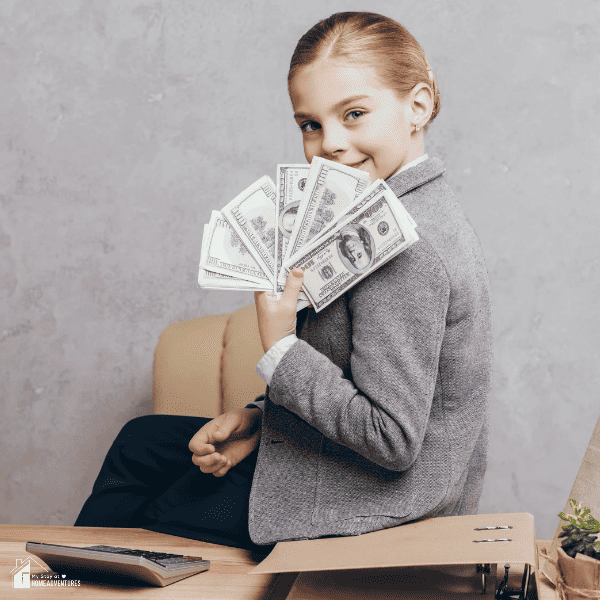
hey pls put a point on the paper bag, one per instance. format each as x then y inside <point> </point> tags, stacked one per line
<point>585,490</point>
<point>579,577</point>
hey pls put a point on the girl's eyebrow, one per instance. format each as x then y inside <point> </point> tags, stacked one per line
<point>336,107</point>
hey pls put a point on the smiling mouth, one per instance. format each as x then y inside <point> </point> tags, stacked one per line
<point>358,164</point>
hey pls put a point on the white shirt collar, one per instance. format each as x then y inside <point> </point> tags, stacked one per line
<point>412,163</point>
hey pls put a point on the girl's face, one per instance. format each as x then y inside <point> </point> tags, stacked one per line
<point>348,116</point>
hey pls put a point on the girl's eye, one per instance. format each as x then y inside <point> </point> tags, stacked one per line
<point>309,127</point>
<point>355,114</point>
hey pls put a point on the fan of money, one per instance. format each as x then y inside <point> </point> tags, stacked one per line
<point>325,218</point>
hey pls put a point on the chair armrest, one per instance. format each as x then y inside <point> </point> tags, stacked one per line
<point>242,351</point>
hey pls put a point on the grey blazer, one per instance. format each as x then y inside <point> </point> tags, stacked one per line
<point>377,415</point>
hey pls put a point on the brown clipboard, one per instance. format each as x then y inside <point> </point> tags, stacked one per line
<point>435,554</point>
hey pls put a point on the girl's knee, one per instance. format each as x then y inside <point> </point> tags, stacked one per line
<point>160,428</point>
<point>138,427</point>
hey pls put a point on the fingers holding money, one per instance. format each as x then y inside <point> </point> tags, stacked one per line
<point>277,318</point>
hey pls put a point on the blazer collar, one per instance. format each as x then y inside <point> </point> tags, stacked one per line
<point>412,178</point>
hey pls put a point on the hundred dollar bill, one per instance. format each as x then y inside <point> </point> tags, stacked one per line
<point>330,188</point>
<point>224,252</point>
<point>356,247</point>
<point>252,216</point>
<point>209,280</point>
<point>212,280</point>
<point>358,203</point>
<point>291,181</point>
<point>375,188</point>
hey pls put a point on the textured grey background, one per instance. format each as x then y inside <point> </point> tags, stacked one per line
<point>123,123</point>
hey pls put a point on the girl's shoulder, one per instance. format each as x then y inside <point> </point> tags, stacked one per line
<point>446,236</point>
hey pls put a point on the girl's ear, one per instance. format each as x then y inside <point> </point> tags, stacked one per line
<point>421,103</point>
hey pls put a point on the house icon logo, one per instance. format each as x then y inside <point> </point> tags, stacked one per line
<point>22,572</point>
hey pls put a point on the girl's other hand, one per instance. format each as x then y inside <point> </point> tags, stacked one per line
<point>277,318</point>
<point>225,441</point>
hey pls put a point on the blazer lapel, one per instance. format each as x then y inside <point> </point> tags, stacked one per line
<point>416,176</point>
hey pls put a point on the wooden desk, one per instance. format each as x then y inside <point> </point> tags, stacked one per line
<point>227,578</point>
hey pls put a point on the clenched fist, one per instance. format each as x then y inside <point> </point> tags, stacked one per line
<point>225,441</point>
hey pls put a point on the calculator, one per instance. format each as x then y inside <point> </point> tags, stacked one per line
<point>111,563</point>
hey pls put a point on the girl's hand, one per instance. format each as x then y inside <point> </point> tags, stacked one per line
<point>277,318</point>
<point>225,441</point>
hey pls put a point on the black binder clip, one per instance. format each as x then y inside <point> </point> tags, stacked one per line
<point>503,593</point>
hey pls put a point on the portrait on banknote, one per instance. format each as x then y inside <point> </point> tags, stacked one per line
<point>288,217</point>
<point>355,248</point>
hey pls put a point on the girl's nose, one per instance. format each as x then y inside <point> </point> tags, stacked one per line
<point>335,140</point>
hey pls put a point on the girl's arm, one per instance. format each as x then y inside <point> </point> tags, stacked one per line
<point>398,317</point>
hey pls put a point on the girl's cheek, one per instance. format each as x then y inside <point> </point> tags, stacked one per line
<point>310,151</point>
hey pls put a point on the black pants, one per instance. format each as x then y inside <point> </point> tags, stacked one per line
<point>148,480</point>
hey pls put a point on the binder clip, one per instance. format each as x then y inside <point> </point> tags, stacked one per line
<point>503,593</point>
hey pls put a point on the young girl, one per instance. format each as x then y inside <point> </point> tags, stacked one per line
<point>375,412</point>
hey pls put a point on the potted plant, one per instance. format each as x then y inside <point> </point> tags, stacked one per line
<point>579,554</point>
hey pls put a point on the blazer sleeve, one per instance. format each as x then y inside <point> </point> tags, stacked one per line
<point>398,318</point>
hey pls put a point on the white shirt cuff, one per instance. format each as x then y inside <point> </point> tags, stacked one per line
<point>268,363</point>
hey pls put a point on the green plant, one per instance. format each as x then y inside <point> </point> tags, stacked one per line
<point>579,535</point>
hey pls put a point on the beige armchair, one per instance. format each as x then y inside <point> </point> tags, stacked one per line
<point>205,366</point>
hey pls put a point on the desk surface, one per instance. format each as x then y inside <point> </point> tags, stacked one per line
<point>227,578</point>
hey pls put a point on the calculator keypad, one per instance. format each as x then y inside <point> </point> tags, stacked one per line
<point>162,558</point>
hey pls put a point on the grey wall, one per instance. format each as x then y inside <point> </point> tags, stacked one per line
<point>123,123</point>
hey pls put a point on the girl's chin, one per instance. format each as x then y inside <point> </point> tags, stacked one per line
<point>373,172</point>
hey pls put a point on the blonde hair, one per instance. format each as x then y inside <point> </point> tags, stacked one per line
<point>374,40</point>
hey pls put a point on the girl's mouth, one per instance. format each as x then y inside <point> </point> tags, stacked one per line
<point>358,164</point>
